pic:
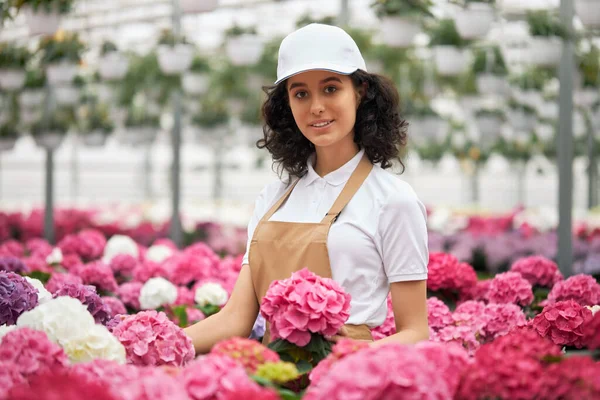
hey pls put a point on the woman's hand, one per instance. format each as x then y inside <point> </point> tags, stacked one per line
<point>342,334</point>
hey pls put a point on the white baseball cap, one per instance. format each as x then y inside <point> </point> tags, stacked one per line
<point>318,47</point>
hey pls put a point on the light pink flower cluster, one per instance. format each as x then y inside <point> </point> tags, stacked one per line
<point>129,293</point>
<point>38,247</point>
<point>88,244</point>
<point>305,304</point>
<point>150,338</point>
<point>388,327</point>
<point>185,296</point>
<point>571,378</point>
<point>98,274</point>
<point>449,359</point>
<point>216,377</point>
<point>194,315</point>
<point>123,265</point>
<point>249,353</point>
<point>510,287</point>
<point>501,319</point>
<point>9,378</point>
<point>581,288</point>
<point>438,314</point>
<point>447,274</point>
<point>463,335</point>
<point>510,367</point>
<point>30,352</point>
<point>391,371</point>
<point>114,306</point>
<point>71,261</point>
<point>149,269</point>
<point>479,291</point>
<point>539,271</point>
<point>12,248</point>
<point>37,263</point>
<point>563,323</point>
<point>591,332</point>
<point>56,281</point>
<point>186,268</point>
<point>341,349</point>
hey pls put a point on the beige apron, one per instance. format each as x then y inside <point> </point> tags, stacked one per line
<point>279,248</point>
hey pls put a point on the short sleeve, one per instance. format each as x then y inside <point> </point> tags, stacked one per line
<point>402,232</point>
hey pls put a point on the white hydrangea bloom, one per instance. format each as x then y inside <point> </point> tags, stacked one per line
<point>98,343</point>
<point>56,257</point>
<point>157,292</point>
<point>158,253</point>
<point>211,293</point>
<point>43,295</point>
<point>120,244</point>
<point>4,329</point>
<point>594,309</point>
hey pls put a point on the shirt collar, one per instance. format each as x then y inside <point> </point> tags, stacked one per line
<point>337,177</point>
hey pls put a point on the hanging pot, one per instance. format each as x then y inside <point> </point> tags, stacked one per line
<point>49,140</point>
<point>475,20</point>
<point>470,103</point>
<point>195,83</point>
<point>174,60</point>
<point>451,60</point>
<point>521,120</point>
<point>244,50</point>
<point>7,144</point>
<point>41,23</point>
<point>198,6</point>
<point>532,98</point>
<point>424,129</point>
<point>206,136</point>
<point>113,66</point>
<point>11,79</point>
<point>398,31</point>
<point>30,115</point>
<point>548,110</point>
<point>95,138</point>
<point>492,84</point>
<point>588,12</point>
<point>66,95</point>
<point>545,51</point>
<point>61,73</point>
<point>489,126</point>
<point>586,97</point>
<point>105,92</point>
<point>136,136</point>
<point>31,98</point>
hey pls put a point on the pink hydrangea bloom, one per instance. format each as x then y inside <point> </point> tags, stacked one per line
<point>501,319</point>
<point>388,327</point>
<point>479,291</point>
<point>449,359</point>
<point>591,332</point>
<point>563,323</point>
<point>581,288</point>
<point>391,371</point>
<point>36,263</point>
<point>56,281</point>
<point>305,304</point>
<point>185,296</point>
<point>150,338</point>
<point>149,269</point>
<point>510,287</point>
<point>9,378</point>
<point>447,275</point>
<point>571,378</point>
<point>12,248</point>
<point>463,335</point>
<point>114,306</point>
<point>38,247</point>
<point>129,293</point>
<point>539,271</point>
<point>438,314</point>
<point>71,261</point>
<point>194,315</point>
<point>216,377</point>
<point>340,350</point>
<point>31,352</point>
<point>123,265</point>
<point>249,353</point>
<point>98,274</point>
<point>88,244</point>
<point>186,268</point>
<point>510,367</point>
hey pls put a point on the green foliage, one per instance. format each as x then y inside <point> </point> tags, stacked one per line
<point>418,109</point>
<point>200,65</point>
<point>444,33</point>
<point>167,38</point>
<point>589,67</point>
<point>404,8</point>
<point>213,113</point>
<point>47,6</point>
<point>108,47</point>
<point>306,19</point>
<point>267,64</point>
<point>39,275</point>
<point>34,79</point>
<point>209,309</point>
<point>12,56</point>
<point>139,117</point>
<point>362,37</point>
<point>514,150</point>
<point>237,30</point>
<point>96,118</point>
<point>545,24</point>
<point>533,79</point>
<point>8,130</point>
<point>431,151</point>
<point>58,121</point>
<point>61,47</point>
<point>515,105</point>
<point>497,65</point>
<point>252,113</point>
<point>494,113</point>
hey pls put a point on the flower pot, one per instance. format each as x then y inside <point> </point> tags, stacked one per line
<point>244,50</point>
<point>588,12</point>
<point>49,140</point>
<point>30,115</point>
<point>113,66</point>
<point>195,83</point>
<point>586,97</point>
<point>41,23</point>
<point>489,126</point>
<point>31,98</point>
<point>198,6</point>
<point>11,79</point>
<point>66,95</point>
<point>105,93</point>
<point>548,110</point>
<point>176,59</point>
<point>424,129</point>
<point>7,144</point>
<point>492,84</point>
<point>470,103</point>
<point>474,21</point>
<point>521,121</point>
<point>61,73</point>
<point>398,31</point>
<point>451,60</point>
<point>94,138</point>
<point>545,51</point>
<point>209,136</point>
<point>136,136</point>
<point>532,98</point>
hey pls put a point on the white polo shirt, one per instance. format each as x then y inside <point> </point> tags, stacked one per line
<point>380,237</point>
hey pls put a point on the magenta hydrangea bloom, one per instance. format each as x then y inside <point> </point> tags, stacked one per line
<point>341,349</point>
<point>31,352</point>
<point>150,338</point>
<point>388,327</point>
<point>462,335</point>
<point>581,288</point>
<point>539,271</point>
<point>38,247</point>
<point>87,244</point>
<point>563,323</point>
<point>446,274</point>
<point>114,306</point>
<point>305,304</point>
<point>16,296</point>
<point>185,296</point>
<point>123,265</point>
<point>148,269</point>
<point>87,295</point>
<point>390,371</point>
<point>56,281</point>
<point>571,378</point>
<point>98,274</point>
<point>9,378</point>
<point>186,268</point>
<point>13,264</point>
<point>591,332</point>
<point>129,293</point>
<point>510,287</point>
<point>501,319</point>
<point>438,314</point>
<point>449,359</point>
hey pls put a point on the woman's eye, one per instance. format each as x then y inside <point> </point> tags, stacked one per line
<point>330,89</point>
<point>300,95</point>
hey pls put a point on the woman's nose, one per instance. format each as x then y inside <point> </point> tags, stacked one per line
<point>317,106</point>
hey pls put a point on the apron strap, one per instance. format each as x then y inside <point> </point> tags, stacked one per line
<point>356,180</point>
<point>279,202</point>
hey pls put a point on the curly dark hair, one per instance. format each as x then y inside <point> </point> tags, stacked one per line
<point>379,128</point>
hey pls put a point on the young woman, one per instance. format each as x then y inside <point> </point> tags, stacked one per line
<point>334,129</point>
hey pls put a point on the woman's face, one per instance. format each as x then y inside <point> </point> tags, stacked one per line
<point>324,106</point>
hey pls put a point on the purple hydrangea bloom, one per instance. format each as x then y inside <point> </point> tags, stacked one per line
<point>87,295</point>
<point>16,296</point>
<point>13,264</point>
<point>260,325</point>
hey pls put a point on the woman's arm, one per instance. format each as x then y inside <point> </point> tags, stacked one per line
<point>235,319</point>
<point>409,302</point>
